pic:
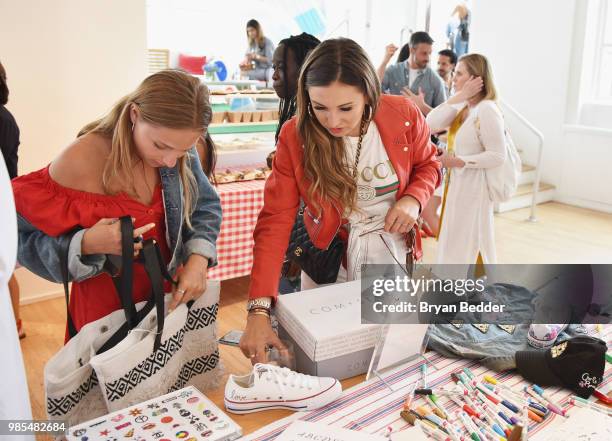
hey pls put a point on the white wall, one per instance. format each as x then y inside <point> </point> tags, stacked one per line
<point>67,61</point>
<point>204,28</point>
<point>530,45</point>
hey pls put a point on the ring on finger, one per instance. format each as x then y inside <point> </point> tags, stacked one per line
<point>181,291</point>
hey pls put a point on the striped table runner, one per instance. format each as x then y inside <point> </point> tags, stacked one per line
<point>372,407</point>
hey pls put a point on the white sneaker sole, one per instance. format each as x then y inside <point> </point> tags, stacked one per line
<point>311,403</point>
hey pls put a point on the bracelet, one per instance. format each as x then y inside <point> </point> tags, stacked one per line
<point>259,313</point>
<point>261,309</point>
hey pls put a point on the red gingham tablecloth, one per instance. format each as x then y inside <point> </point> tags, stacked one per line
<point>241,203</point>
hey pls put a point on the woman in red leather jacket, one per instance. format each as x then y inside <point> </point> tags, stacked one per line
<point>361,162</point>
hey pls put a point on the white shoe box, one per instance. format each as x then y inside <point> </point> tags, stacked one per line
<point>324,326</point>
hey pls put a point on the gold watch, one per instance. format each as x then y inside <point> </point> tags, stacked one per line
<point>261,302</point>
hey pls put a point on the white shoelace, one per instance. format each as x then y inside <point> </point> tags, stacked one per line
<point>285,376</point>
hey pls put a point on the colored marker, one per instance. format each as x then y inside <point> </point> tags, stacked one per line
<point>552,405</point>
<point>466,381</point>
<point>536,396</point>
<point>434,407</point>
<point>491,413</point>
<point>433,432</point>
<point>581,402</point>
<point>439,392</point>
<point>428,416</point>
<point>525,434</point>
<point>608,357</point>
<point>469,373</point>
<point>465,407</point>
<point>439,405</point>
<point>602,397</point>
<point>452,431</point>
<point>486,429</point>
<point>424,375</point>
<point>545,403</point>
<point>487,391</point>
<point>472,430</point>
<point>409,398</point>
<point>510,406</point>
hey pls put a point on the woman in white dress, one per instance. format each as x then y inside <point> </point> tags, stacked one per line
<point>476,142</point>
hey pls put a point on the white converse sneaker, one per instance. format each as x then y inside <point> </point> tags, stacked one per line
<point>273,387</point>
<point>543,336</point>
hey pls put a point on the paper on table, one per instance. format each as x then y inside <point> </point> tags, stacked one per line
<point>397,344</point>
<point>303,430</point>
<point>411,434</point>
<point>584,425</point>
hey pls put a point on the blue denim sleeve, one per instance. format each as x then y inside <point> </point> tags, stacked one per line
<point>205,218</point>
<point>40,253</point>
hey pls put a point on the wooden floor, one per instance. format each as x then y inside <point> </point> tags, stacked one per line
<point>563,234</point>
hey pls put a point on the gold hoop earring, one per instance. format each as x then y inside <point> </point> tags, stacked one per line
<point>310,111</point>
<point>369,112</point>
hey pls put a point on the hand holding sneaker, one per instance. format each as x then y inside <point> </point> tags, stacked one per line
<point>272,387</point>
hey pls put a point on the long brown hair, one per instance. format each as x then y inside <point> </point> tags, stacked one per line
<point>169,98</point>
<point>252,23</point>
<point>326,164</point>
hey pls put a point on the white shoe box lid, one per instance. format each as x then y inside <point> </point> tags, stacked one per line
<point>326,322</point>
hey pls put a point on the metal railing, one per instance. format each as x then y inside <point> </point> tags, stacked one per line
<point>538,166</point>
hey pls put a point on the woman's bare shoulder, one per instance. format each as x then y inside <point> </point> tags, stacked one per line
<point>81,164</point>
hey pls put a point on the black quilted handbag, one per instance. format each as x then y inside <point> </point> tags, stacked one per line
<point>321,266</point>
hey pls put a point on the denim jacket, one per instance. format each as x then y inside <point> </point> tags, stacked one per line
<point>40,252</point>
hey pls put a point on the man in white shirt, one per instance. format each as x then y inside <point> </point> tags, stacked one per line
<point>447,60</point>
<point>14,399</point>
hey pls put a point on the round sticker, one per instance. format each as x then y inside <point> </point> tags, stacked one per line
<point>192,400</point>
<point>148,426</point>
<point>182,434</point>
<point>117,418</point>
<point>166,419</point>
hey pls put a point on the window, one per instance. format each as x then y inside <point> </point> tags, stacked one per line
<point>603,56</point>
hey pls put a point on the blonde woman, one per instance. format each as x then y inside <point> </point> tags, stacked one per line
<point>139,160</point>
<point>476,142</point>
<point>362,163</point>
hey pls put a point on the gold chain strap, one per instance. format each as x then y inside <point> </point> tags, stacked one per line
<point>358,150</point>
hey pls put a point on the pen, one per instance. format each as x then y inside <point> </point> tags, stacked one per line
<point>551,404</point>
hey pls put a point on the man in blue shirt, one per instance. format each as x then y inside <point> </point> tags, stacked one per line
<point>414,78</point>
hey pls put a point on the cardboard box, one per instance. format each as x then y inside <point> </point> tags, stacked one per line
<point>324,326</point>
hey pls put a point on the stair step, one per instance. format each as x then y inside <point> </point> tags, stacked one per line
<point>528,188</point>
<point>524,196</point>
<point>528,174</point>
<point>527,168</point>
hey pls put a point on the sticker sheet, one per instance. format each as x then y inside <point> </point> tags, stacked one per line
<point>185,415</point>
